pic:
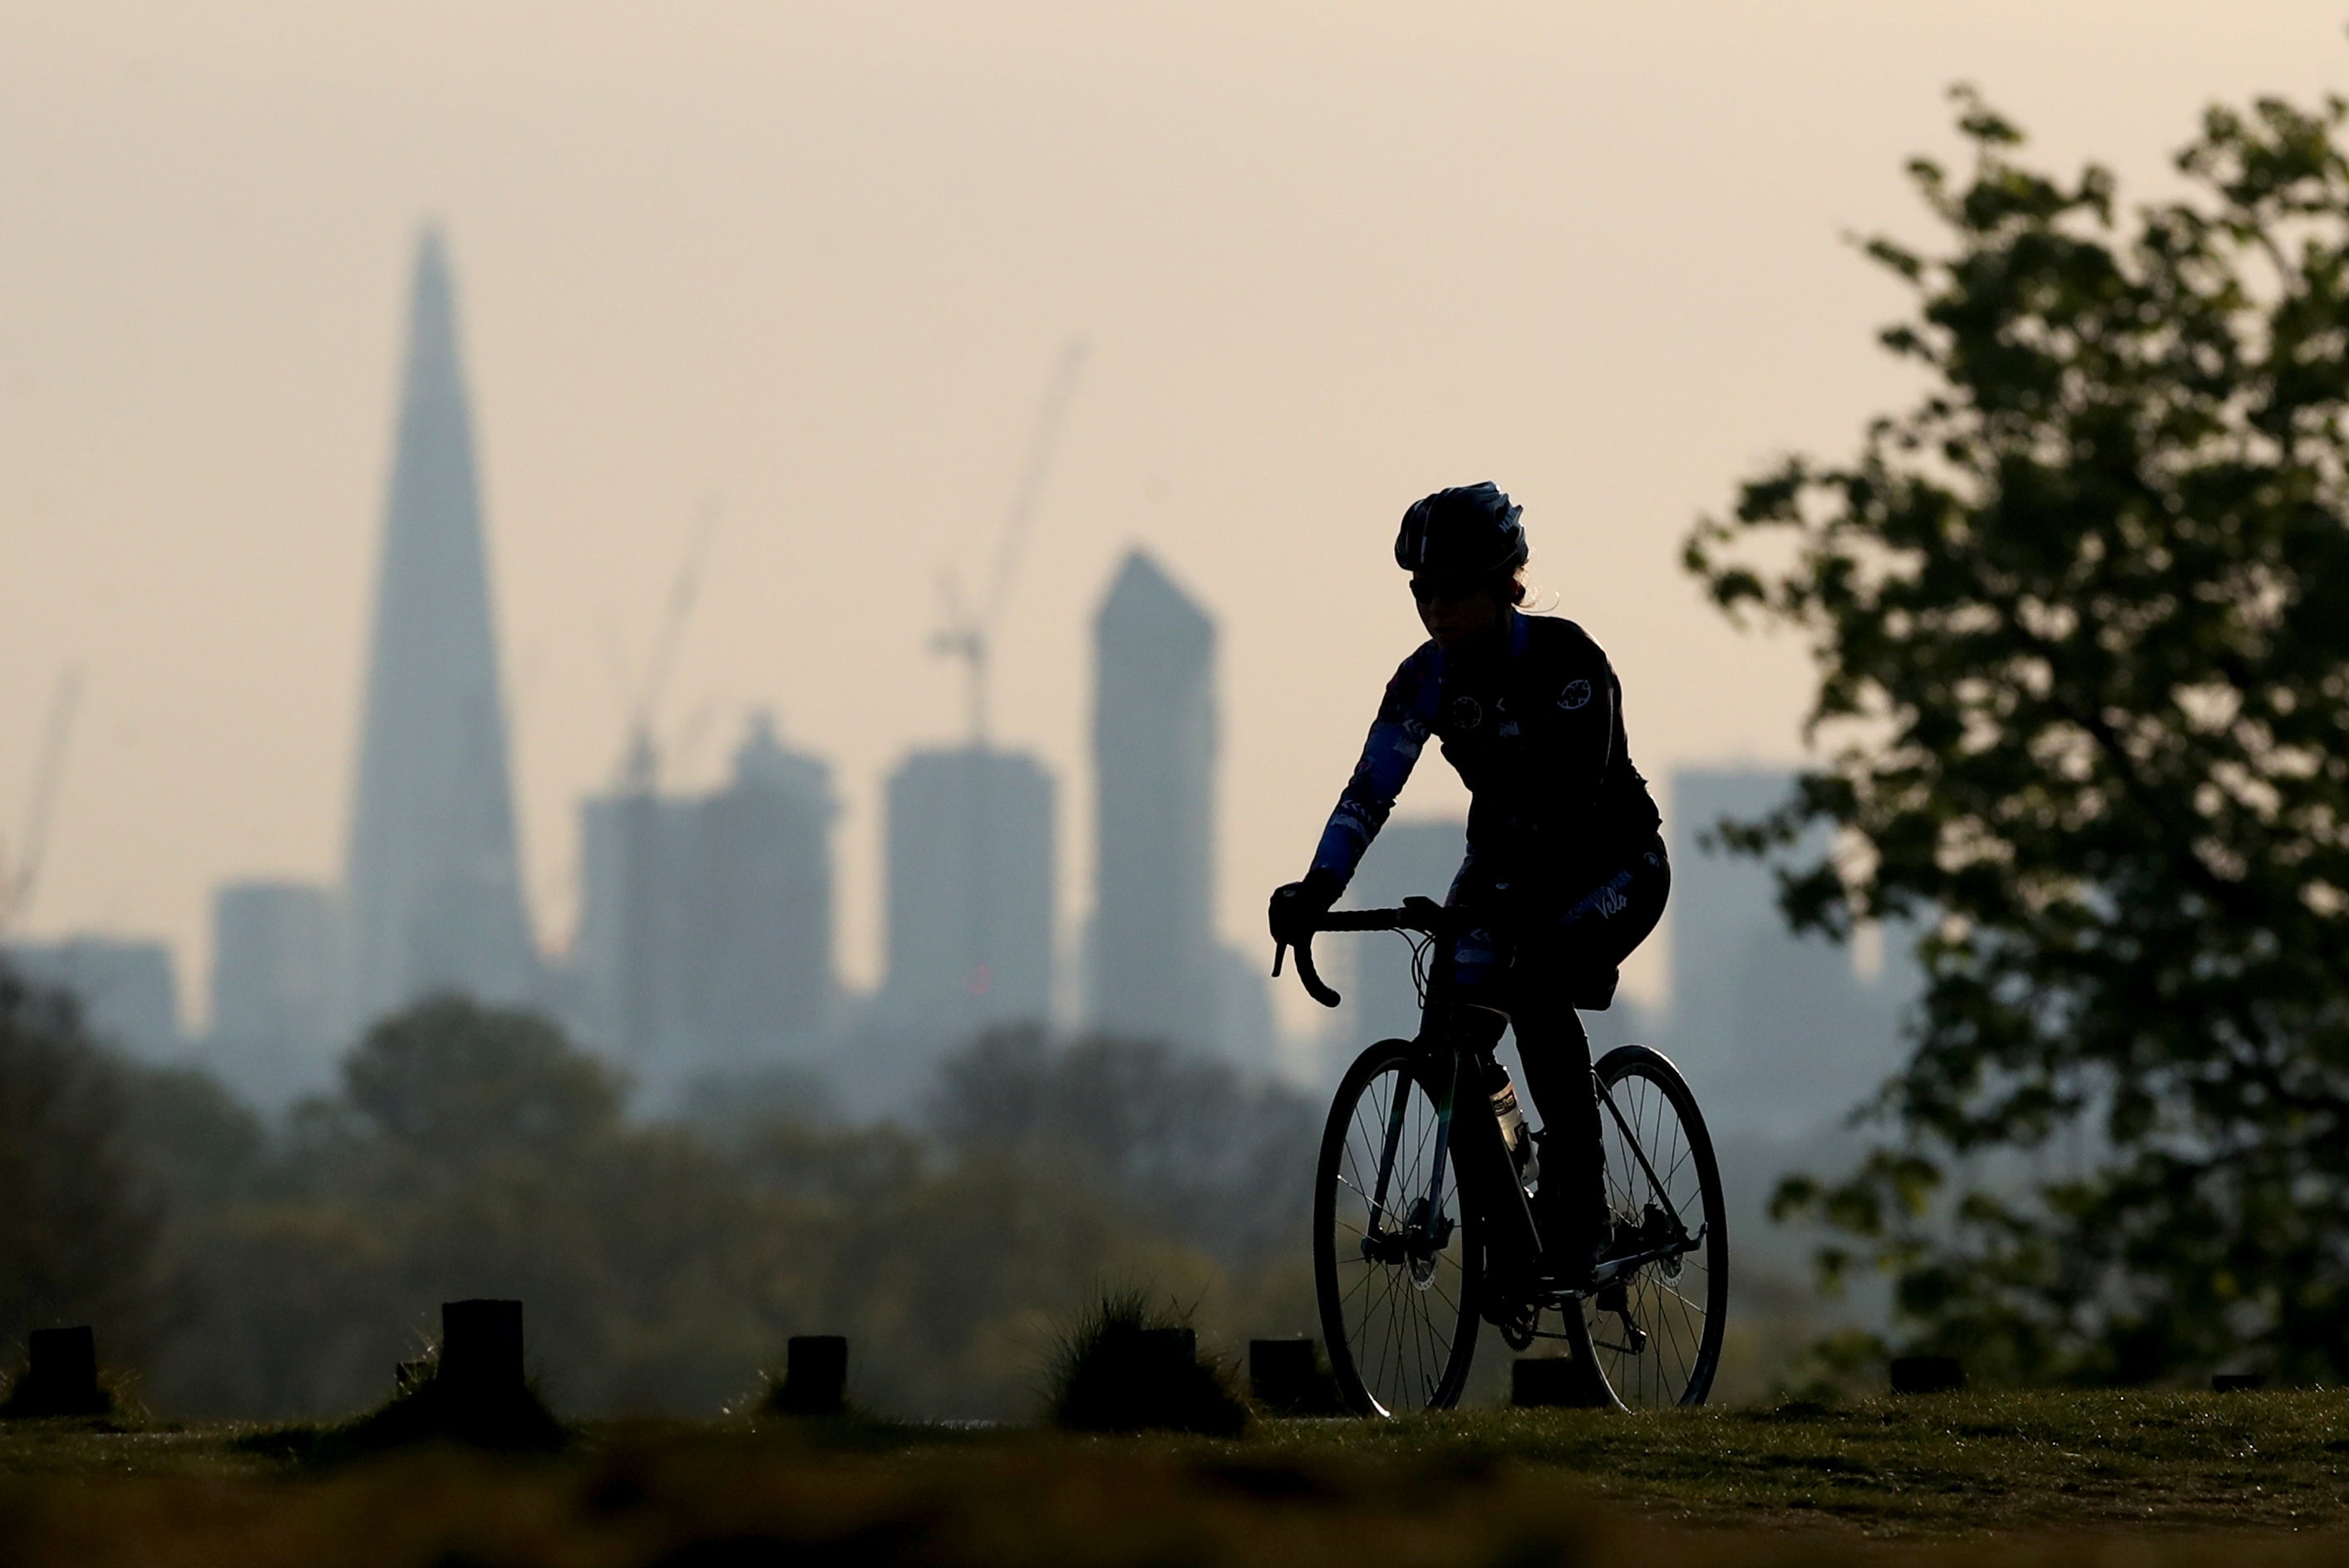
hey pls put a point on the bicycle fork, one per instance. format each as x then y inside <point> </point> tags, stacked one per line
<point>1482,1158</point>
<point>1433,1203</point>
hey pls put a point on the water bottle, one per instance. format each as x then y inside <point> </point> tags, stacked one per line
<point>1513,1127</point>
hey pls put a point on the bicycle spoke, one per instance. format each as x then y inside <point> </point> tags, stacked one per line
<point>1674,1361</point>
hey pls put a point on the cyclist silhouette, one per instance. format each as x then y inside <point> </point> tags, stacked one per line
<point>1566,872</point>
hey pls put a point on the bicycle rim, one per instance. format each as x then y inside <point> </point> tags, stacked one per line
<point>1397,1314</point>
<point>1670,1347</point>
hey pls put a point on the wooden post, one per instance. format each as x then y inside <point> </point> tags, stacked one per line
<point>1285,1374</point>
<point>1927,1375</point>
<point>816,1376</point>
<point>1537,1382</point>
<point>481,1348</point>
<point>60,1375</point>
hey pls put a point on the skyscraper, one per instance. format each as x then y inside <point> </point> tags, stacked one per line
<point>1155,968</point>
<point>434,896</point>
<point>1779,1034</point>
<point>970,894</point>
<point>706,942</point>
<point>274,962</point>
<point>757,966</point>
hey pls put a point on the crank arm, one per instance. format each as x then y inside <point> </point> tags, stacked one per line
<point>1614,1268</point>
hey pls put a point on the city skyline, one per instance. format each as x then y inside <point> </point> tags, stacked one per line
<point>748,865</point>
<point>715,259</point>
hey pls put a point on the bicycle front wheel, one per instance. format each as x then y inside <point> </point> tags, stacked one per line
<point>1654,1333</point>
<point>1395,1262</point>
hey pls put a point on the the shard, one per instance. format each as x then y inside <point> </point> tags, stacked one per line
<point>435,897</point>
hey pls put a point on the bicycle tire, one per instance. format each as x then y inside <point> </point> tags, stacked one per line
<point>1685,1333</point>
<point>1401,1335</point>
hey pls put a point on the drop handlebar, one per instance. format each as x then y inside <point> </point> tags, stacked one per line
<point>1424,915</point>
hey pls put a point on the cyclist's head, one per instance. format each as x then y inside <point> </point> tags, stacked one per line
<point>1464,549</point>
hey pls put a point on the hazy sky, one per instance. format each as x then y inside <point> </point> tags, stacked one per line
<point>817,261</point>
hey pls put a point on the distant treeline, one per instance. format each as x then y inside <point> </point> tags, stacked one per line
<point>244,1268</point>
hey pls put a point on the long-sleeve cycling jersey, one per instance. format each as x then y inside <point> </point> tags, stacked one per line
<point>1534,727</point>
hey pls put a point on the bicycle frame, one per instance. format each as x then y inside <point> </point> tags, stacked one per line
<point>1475,1147</point>
<point>1411,1221</point>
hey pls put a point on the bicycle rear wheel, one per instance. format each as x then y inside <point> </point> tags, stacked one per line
<point>1654,1335</point>
<point>1395,1262</point>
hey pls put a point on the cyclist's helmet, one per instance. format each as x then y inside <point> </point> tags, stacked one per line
<point>1466,532</point>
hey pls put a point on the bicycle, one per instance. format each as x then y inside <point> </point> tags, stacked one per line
<point>1423,1227</point>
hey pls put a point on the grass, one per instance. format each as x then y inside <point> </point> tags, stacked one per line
<point>2057,1475</point>
<point>1945,1467</point>
<point>1131,1364</point>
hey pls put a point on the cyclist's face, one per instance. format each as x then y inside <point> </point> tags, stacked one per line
<point>1456,610</point>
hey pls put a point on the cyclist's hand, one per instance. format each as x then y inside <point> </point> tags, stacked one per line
<point>1299,906</point>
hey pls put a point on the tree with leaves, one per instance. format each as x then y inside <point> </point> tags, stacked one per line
<point>2080,619</point>
<point>467,1082</point>
<point>78,1223</point>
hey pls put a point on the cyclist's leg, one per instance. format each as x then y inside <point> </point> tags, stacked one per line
<point>1570,961</point>
<point>1482,957</point>
<point>1481,977</point>
<point>1601,927</point>
<point>1571,1203</point>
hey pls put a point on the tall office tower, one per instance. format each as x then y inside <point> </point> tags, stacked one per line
<point>434,892</point>
<point>706,941</point>
<point>1780,1034</point>
<point>970,894</point>
<point>756,969</point>
<point>1408,859</point>
<point>274,967</point>
<point>1153,942</point>
<point>126,988</point>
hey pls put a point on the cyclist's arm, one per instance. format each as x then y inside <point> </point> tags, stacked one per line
<point>1586,699</point>
<point>1397,737</point>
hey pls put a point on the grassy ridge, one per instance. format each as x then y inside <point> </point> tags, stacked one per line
<point>1872,1482</point>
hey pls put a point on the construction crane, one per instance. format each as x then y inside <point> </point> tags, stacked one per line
<point>640,1010</point>
<point>21,879</point>
<point>968,634</point>
<point>639,768</point>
